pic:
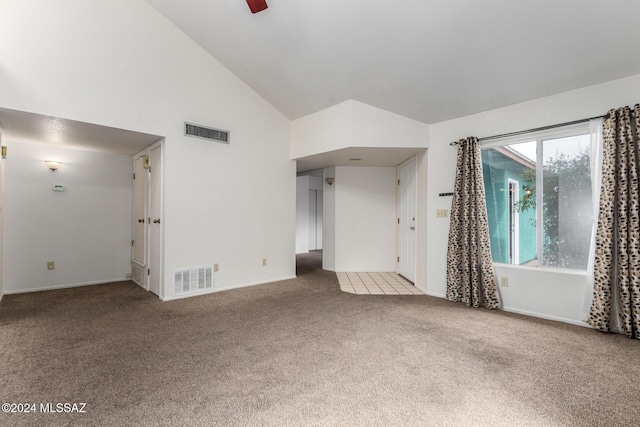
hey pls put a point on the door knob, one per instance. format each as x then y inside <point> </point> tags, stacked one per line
<point>141,220</point>
<point>412,227</point>
<point>156,221</point>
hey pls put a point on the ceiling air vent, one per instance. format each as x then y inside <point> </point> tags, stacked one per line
<point>203,132</point>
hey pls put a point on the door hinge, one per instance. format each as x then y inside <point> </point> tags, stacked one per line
<point>398,182</point>
<point>148,272</point>
<point>132,243</point>
<point>145,161</point>
<point>398,259</point>
<point>149,169</point>
<point>4,151</point>
<point>398,220</point>
<point>134,176</point>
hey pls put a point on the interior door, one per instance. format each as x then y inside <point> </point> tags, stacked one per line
<point>315,220</point>
<point>155,214</point>
<point>407,211</point>
<point>313,240</point>
<point>514,222</point>
<point>1,213</point>
<point>319,210</point>
<point>139,252</point>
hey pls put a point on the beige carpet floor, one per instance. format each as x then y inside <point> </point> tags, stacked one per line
<point>301,352</point>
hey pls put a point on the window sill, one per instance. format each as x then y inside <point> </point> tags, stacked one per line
<point>543,269</point>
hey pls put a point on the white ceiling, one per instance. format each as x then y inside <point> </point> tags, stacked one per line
<point>430,60</point>
<point>36,128</point>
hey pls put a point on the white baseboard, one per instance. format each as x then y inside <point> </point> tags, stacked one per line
<point>545,316</point>
<point>226,288</point>
<point>527,313</point>
<point>71,285</point>
<point>433,294</point>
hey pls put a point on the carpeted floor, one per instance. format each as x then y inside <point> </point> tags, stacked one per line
<point>301,352</point>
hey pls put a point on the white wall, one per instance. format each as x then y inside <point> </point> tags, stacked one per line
<point>2,161</point>
<point>422,229</point>
<point>326,130</point>
<point>86,230</point>
<point>329,222</point>
<point>302,214</point>
<point>122,64</point>
<point>374,127</point>
<point>554,295</point>
<point>365,218</point>
<point>354,124</point>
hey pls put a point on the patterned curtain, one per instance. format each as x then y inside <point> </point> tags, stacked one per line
<point>617,262</point>
<point>470,276</point>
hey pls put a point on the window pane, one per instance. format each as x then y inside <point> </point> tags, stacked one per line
<point>567,214</point>
<point>509,179</point>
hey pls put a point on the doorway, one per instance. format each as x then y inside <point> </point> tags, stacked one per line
<point>514,222</point>
<point>407,212</point>
<point>146,253</point>
<point>309,212</point>
<point>315,219</point>
<point>2,147</point>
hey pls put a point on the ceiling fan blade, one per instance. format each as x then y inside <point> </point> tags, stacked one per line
<point>257,5</point>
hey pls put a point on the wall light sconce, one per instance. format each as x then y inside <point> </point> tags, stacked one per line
<point>329,180</point>
<point>53,164</point>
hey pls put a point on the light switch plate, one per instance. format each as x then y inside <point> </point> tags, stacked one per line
<point>442,213</point>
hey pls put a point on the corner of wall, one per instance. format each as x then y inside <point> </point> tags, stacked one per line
<point>329,221</point>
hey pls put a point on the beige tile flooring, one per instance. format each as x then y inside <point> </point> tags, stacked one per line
<point>376,284</point>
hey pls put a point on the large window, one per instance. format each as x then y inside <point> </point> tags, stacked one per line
<point>539,205</point>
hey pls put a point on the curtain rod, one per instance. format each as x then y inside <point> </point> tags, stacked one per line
<point>522,132</point>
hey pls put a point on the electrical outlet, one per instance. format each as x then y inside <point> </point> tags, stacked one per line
<point>442,213</point>
<point>215,267</point>
<point>51,265</point>
<point>127,276</point>
<point>264,262</point>
<point>504,281</point>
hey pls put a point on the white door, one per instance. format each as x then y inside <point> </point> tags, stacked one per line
<point>315,220</point>
<point>313,207</point>
<point>407,211</point>
<point>1,210</point>
<point>155,227</point>
<point>514,222</point>
<point>139,253</point>
<point>319,209</point>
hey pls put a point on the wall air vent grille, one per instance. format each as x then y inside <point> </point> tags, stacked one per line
<point>207,133</point>
<point>193,279</point>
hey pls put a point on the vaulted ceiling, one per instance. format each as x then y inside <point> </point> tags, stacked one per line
<point>430,60</point>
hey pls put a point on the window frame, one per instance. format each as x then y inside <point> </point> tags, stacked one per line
<point>540,136</point>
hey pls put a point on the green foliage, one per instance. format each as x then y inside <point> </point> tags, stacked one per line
<point>566,188</point>
<point>528,200</point>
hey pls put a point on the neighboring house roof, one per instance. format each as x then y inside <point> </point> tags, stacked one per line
<point>516,156</point>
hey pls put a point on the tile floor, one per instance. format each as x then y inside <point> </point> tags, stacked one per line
<point>376,284</point>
